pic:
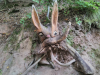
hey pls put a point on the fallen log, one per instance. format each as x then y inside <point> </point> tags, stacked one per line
<point>83,65</point>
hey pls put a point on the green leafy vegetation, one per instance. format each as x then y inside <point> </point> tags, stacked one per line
<point>92,20</point>
<point>78,21</point>
<point>87,10</point>
<point>26,22</point>
<point>86,4</point>
<point>34,45</point>
<point>66,12</point>
<point>0,72</point>
<point>69,40</point>
<point>29,15</point>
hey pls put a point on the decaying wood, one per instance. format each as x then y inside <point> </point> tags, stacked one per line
<point>52,41</point>
<point>84,66</point>
<point>57,39</point>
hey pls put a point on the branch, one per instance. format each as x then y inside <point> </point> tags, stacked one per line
<point>33,65</point>
<point>62,64</point>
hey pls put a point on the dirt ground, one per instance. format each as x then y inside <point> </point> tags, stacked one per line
<point>14,62</point>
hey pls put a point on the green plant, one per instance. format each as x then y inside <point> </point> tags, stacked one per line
<point>69,40</point>
<point>34,45</point>
<point>22,21</point>
<point>0,72</point>
<point>12,41</point>
<point>91,20</point>
<point>29,15</point>
<point>78,21</point>
<point>86,4</point>
<point>65,13</point>
<point>37,1</point>
<point>45,3</point>
<point>26,22</point>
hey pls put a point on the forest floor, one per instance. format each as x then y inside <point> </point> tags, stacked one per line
<point>15,48</point>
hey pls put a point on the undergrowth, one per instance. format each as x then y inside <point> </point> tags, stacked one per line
<point>69,40</point>
<point>89,12</point>
<point>12,41</point>
<point>92,20</point>
<point>88,9</point>
<point>0,72</point>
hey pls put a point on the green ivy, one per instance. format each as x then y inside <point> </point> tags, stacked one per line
<point>37,1</point>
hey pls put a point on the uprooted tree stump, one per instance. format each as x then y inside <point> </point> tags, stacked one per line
<point>52,46</point>
<point>56,50</point>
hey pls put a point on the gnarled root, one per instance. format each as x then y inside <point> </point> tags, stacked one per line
<point>67,64</point>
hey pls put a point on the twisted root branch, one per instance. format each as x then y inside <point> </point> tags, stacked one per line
<point>62,64</point>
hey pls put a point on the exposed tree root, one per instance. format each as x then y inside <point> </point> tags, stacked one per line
<point>62,64</point>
